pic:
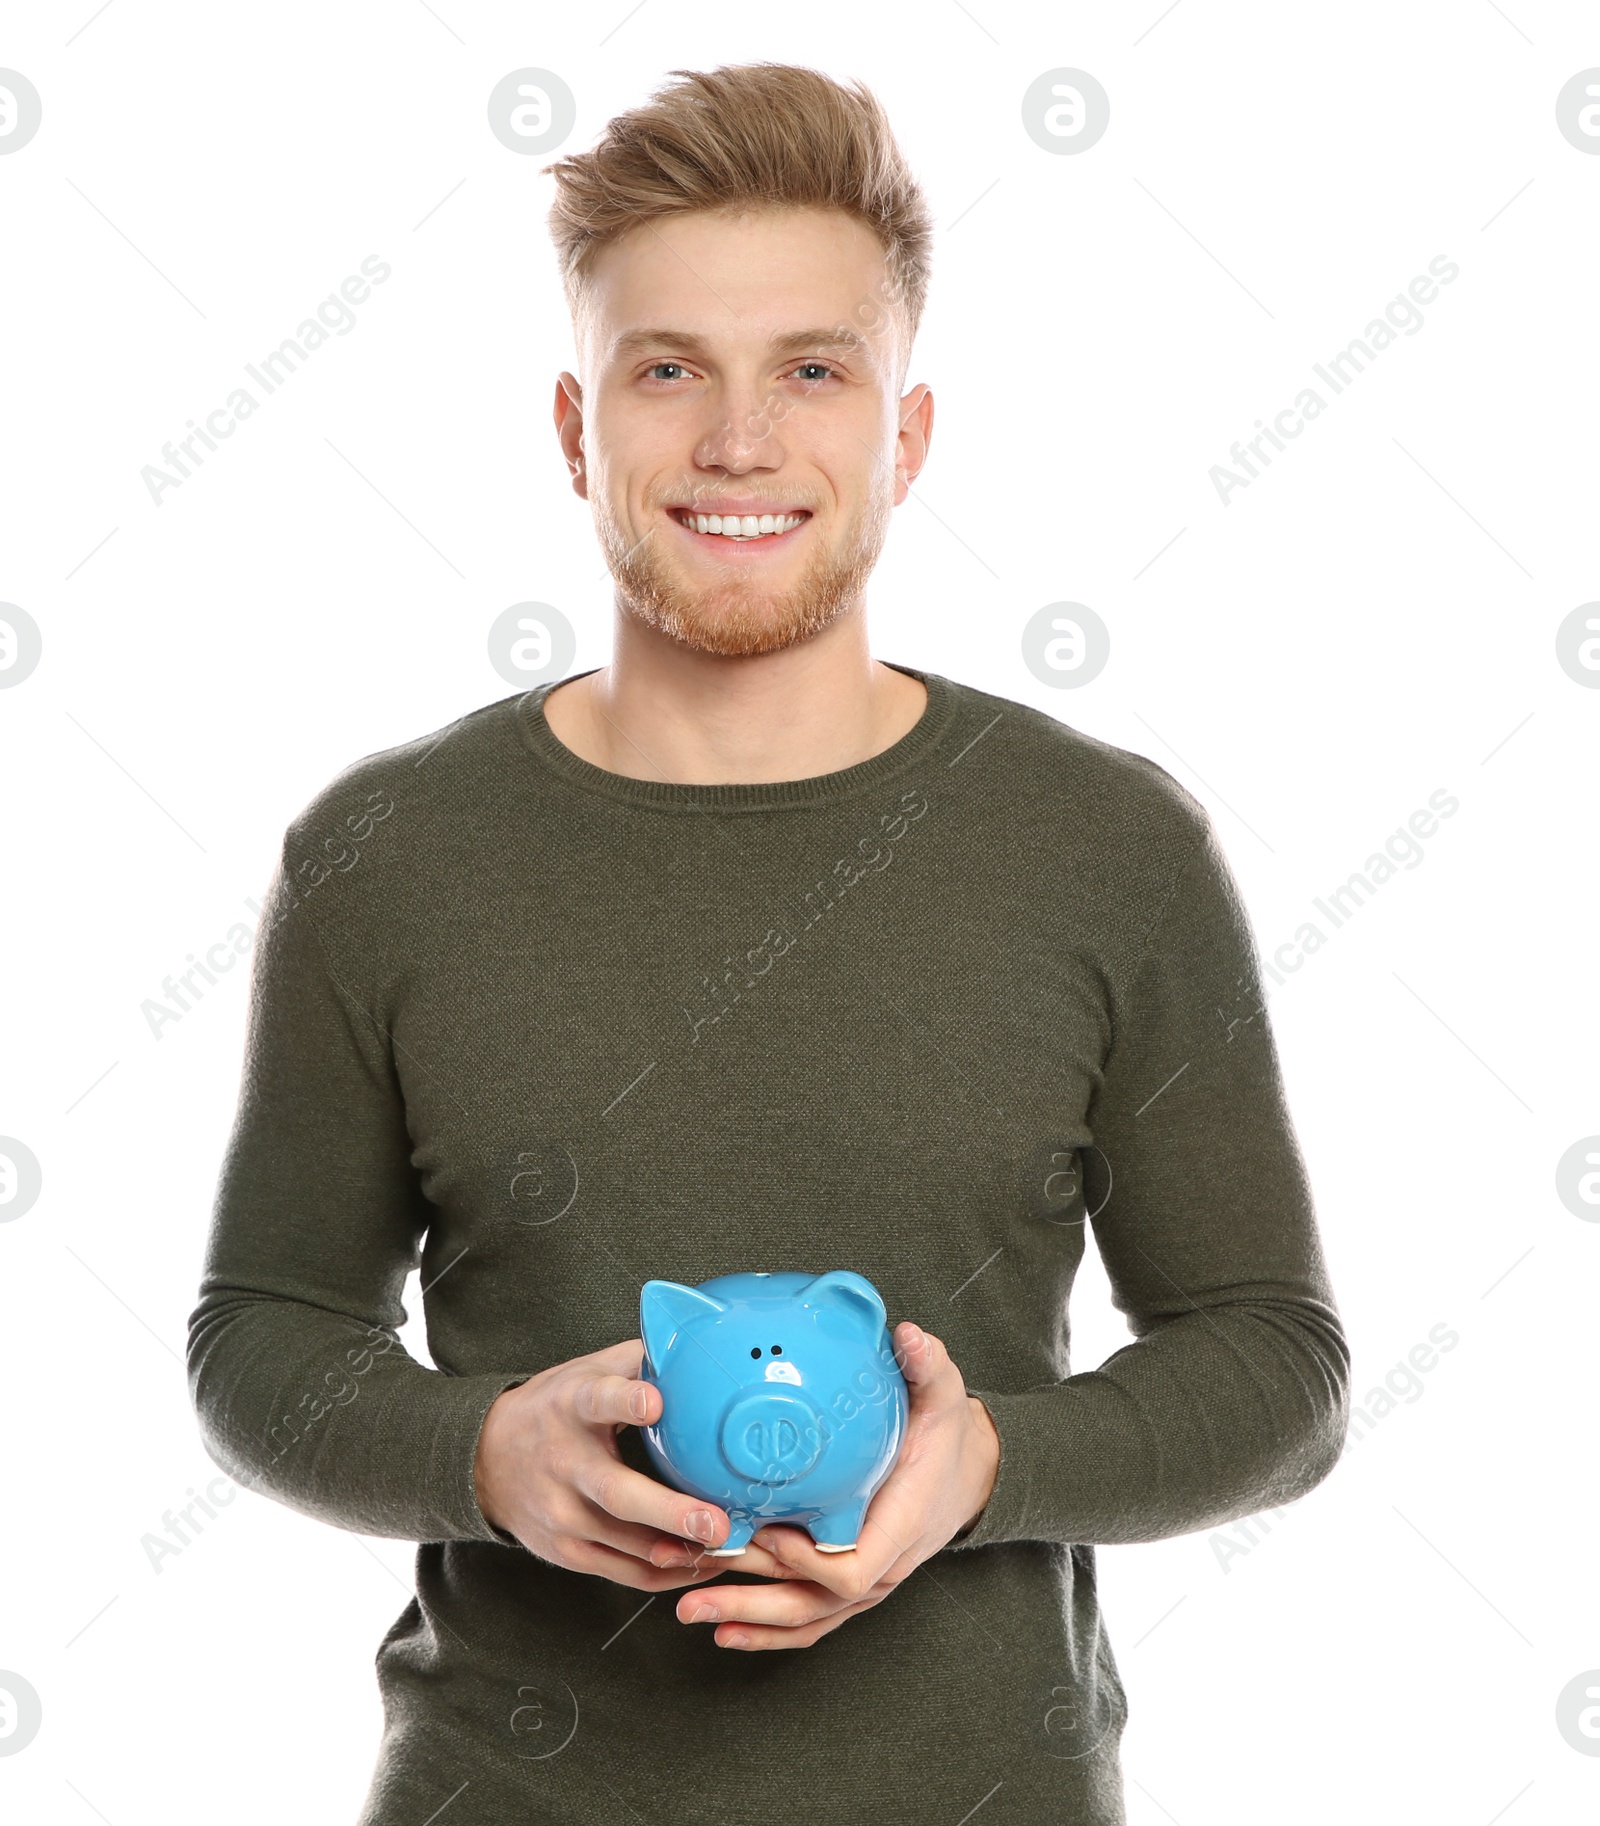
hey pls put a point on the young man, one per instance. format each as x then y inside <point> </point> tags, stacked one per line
<point>750,952</point>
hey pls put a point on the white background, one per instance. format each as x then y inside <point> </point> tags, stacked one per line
<point>1372,619</point>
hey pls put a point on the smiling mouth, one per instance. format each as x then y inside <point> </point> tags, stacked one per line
<point>738,530</point>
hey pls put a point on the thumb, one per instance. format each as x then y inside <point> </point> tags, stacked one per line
<point>915,1350</point>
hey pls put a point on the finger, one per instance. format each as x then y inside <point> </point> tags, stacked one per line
<point>624,1359</point>
<point>770,1616</point>
<point>687,1553</point>
<point>630,1496</point>
<point>607,1398</point>
<point>923,1359</point>
<point>582,1555</point>
<point>646,1544</point>
<point>756,1636</point>
<point>790,1605</point>
<point>877,1558</point>
<point>570,1516</point>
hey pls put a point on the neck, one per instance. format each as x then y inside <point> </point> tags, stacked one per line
<point>662,711</point>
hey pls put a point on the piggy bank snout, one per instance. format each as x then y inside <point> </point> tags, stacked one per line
<point>773,1435</point>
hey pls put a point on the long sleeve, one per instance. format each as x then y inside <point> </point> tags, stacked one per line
<point>1234,1395</point>
<point>302,1390</point>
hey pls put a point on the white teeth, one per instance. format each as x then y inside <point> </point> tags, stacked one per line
<point>735,526</point>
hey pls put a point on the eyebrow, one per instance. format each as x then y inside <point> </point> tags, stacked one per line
<point>838,337</point>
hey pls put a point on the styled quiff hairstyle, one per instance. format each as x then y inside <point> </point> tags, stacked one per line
<point>746,136</point>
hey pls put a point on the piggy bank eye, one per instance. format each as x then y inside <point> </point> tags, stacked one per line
<point>777,1350</point>
<point>755,1350</point>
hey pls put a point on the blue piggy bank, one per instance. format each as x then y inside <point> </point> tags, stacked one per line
<point>783,1399</point>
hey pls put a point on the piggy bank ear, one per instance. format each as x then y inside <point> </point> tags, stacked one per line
<point>664,1308</point>
<point>852,1292</point>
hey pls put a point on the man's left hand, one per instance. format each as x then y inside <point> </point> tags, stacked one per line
<point>939,1486</point>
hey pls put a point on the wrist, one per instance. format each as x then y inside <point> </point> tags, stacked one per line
<point>986,1462</point>
<point>485,1463</point>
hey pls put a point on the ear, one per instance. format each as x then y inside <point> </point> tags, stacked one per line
<point>664,1308</point>
<point>852,1292</point>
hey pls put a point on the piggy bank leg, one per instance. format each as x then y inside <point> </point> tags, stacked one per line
<point>838,1531</point>
<point>740,1529</point>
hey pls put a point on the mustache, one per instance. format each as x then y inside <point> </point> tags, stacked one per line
<point>689,499</point>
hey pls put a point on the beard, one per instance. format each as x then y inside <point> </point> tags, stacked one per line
<point>745,614</point>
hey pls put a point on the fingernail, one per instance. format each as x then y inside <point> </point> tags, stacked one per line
<point>636,1404</point>
<point>700,1525</point>
<point>707,1613</point>
<point>734,1639</point>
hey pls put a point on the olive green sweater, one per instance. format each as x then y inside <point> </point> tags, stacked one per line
<point>548,1032</point>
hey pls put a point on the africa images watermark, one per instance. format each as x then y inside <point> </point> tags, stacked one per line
<point>273,370</point>
<point>1401,314</point>
<point>820,899</point>
<point>180,1534</point>
<point>1401,1384</point>
<point>218,960</point>
<point>337,855</point>
<point>1401,850</point>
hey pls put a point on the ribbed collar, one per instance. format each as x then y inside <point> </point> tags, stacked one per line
<point>821,789</point>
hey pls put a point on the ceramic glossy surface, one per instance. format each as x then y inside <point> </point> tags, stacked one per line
<point>783,1401</point>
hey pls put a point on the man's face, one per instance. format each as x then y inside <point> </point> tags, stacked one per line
<point>723,378</point>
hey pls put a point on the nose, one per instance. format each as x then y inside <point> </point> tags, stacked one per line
<point>773,1435</point>
<point>745,438</point>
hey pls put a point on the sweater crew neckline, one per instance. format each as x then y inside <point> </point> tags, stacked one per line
<point>768,795</point>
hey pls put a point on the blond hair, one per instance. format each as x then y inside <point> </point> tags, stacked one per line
<point>746,136</point>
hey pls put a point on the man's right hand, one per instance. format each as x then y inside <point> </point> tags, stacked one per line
<point>549,1471</point>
